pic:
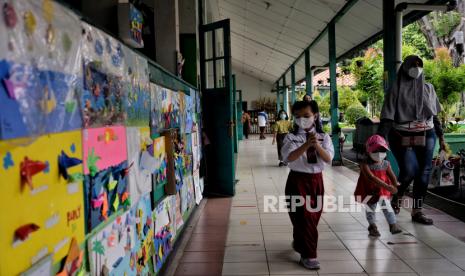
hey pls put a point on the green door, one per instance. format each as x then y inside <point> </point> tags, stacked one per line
<point>217,100</point>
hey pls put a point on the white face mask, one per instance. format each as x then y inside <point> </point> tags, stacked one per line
<point>282,116</point>
<point>305,123</point>
<point>378,156</point>
<point>415,72</point>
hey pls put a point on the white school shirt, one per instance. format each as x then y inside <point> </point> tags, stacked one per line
<point>292,142</point>
<point>262,118</point>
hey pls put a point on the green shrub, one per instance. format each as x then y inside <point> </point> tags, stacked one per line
<point>355,112</point>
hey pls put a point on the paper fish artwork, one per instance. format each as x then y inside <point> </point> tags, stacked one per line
<point>140,154</point>
<point>73,261</point>
<point>142,250</point>
<point>46,217</point>
<point>164,235</point>
<point>106,170</point>
<point>110,248</point>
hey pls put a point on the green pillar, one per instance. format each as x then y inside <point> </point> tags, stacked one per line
<point>389,52</point>
<point>292,84</point>
<point>240,126</point>
<point>337,160</point>
<point>308,74</point>
<point>234,112</point>
<point>284,91</point>
<point>277,96</point>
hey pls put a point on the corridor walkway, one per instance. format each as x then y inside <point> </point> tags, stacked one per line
<point>259,243</point>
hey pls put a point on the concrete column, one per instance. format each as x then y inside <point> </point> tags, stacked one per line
<point>308,74</point>
<point>389,40</point>
<point>292,84</point>
<point>167,33</point>
<point>337,160</point>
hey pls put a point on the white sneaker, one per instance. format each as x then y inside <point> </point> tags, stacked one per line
<point>310,264</point>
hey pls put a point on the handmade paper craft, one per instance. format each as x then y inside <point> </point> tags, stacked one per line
<point>34,102</point>
<point>38,78</point>
<point>42,267</point>
<point>159,152</point>
<point>103,97</point>
<point>142,249</point>
<point>110,248</point>
<point>157,109</point>
<point>73,261</point>
<point>106,170</point>
<point>140,154</point>
<point>178,213</point>
<point>107,144</point>
<point>58,211</point>
<point>137,104</point>
<point>197,189</point>
<point>162,244</point>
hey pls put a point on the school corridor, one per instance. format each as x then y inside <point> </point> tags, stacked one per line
<point>255,242</point>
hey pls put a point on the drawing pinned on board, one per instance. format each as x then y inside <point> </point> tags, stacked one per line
<point>23,232</point>
<point>29,168</point>
<point>65,162</point>
<point>92,162</point>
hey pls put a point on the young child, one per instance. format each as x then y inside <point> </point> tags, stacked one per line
<point>280,129</point>
<point>306,150</point>
<point>378,181</point>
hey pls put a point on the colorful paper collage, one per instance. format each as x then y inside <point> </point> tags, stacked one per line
<point>157,117</point>
<point>163,233</point>
<point>137,105</point>
<point>106,170</point>
<point>196,151</point>
<point>39,80</point>
<point>197,189</point>
<point>141,160</point>
<point>110,248</point>
<point>103,97</point>
<point>57,203</point>
<point>159,149</point>
<point>144,235</point>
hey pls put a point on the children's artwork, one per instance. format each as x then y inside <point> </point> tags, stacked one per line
<point>137,104</point>
<point>51,209</point>
<point>158,108</point>
<point>184,194</point>
<point>177,212</point>
<point>106,170</point>
<point>187,112</point>
<point>102,98</point>
<point>34,102</point>
<point>197,189</point>
<point>110,248</point>
<point>189,182</point>
<point>100,48</point>
<point>142,160</point>
<point>177,100</point>
<point>159,152</point>
<point>39,77</point>
<point>162,244</point>
<point>144,235</point>
<point>196,151</point>
<point>188,165</point>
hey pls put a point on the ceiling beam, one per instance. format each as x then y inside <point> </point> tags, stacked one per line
<point>335,19</point>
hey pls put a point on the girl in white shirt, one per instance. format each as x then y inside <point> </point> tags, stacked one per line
<point>307,150</point>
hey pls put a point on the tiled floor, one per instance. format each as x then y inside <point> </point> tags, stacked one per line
<point>259,242</point>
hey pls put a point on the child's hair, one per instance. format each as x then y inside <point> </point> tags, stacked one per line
<point>315,110</point>
<point>279,115</point>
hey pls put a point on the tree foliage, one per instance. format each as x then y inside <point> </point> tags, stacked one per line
<point>355,112</point>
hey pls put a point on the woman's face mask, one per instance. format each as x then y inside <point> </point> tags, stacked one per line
<point>305,123</point>
<point>415,72</point>
<point>282,116</point>
<point>378,156</point>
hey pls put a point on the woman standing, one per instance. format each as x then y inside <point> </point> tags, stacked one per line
<point>281,128</point>
<point>307,149</point>
<point>409,119</point>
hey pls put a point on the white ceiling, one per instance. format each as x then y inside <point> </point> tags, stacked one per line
<point>268,35</point>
